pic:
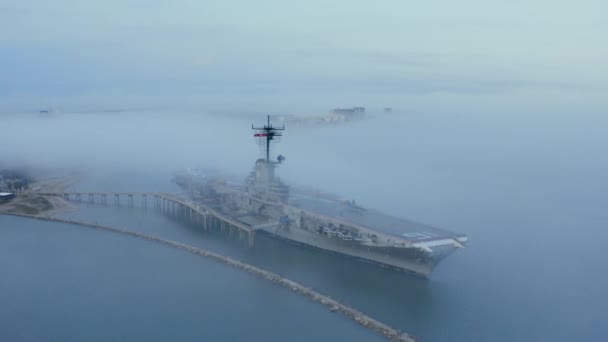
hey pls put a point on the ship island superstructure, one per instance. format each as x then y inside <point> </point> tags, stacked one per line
<point>264,203</point>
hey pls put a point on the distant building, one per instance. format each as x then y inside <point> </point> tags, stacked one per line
<point>336,115</point>
<point>49,112</point>
<point>13,180</point>
<point>349,111</point>
<point>345,114</point>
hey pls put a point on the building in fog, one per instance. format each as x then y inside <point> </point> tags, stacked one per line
<point>349,111</point>
<point>345,114</point>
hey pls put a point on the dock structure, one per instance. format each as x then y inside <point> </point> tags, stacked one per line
<point>193,213</point>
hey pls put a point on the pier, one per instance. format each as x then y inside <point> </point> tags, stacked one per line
<point>332,304</point>
<point>193,213</point>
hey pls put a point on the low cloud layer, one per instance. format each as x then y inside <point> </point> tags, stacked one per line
<point>270,54</point>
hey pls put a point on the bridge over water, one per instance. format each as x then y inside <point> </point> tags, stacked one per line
<point>194,213</point>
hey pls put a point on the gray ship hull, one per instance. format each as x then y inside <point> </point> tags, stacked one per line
<point>362,234</point>
<point>331,226</point>
<point>409,260</point>
<point>313,218</point>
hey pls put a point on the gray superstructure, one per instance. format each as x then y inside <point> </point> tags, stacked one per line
<point>319,220</point>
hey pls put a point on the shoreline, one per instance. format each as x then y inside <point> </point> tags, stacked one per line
<point>33,202</point>
<point>333,305</point>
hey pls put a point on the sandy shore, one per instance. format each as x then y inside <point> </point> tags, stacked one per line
<point>30,202</point>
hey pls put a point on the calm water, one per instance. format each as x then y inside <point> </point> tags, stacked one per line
<point>530,191</point>
<point>64,283</point>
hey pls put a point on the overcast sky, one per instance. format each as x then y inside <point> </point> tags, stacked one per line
<point>312,54</point>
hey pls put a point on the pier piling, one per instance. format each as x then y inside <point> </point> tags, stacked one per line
<point>185,210</point>
<point>251,237</point>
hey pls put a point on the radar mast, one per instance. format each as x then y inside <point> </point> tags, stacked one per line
<point>268,133</point>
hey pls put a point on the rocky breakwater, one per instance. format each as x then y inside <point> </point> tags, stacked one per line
<point>332,304</point>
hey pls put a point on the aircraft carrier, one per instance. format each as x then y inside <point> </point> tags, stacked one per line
<point>264,203</point>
